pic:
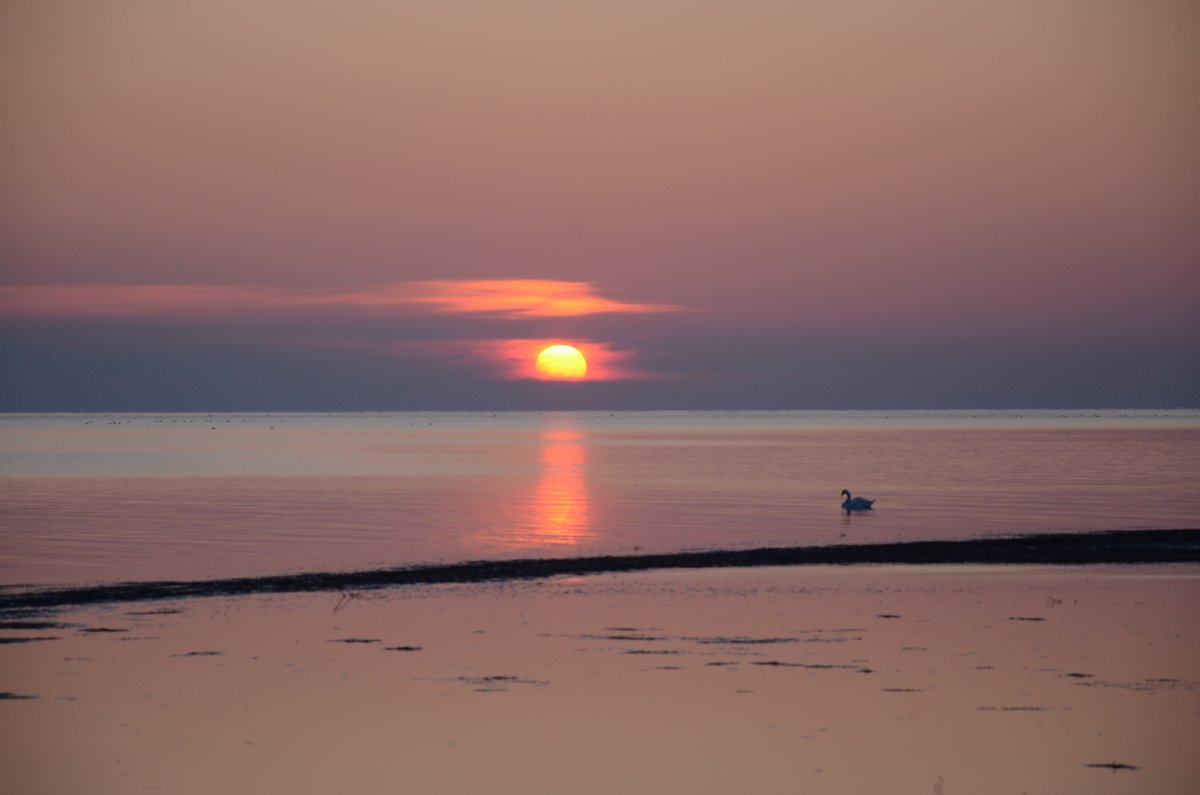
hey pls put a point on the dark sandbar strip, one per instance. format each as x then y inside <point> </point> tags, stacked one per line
<point>1115,547</point>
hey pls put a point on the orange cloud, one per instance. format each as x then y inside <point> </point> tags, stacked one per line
<point>518,298</point>
<point>505,299</point>
<point>502,298</point>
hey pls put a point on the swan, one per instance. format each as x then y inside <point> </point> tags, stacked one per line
<point>855,503</point>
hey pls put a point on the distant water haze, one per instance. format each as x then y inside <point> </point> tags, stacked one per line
<point>144,496</point>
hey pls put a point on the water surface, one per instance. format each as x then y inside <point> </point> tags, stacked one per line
<point>155,496</point>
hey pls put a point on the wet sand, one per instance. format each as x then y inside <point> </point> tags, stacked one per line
<point>931,679</point>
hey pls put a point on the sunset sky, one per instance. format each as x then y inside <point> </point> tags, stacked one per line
<point>394,205</point>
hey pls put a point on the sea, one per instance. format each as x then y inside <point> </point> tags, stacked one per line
<point>87,498</point>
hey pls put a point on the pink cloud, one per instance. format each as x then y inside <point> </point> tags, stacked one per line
<point>517,298</point>
<point>133,300</point>
<point>502,298</point>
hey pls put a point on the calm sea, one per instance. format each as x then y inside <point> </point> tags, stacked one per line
<point>156,496</point>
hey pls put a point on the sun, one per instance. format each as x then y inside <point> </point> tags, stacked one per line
<point>561,362</point>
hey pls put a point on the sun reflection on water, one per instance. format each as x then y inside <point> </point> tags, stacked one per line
<point>560,502</point>
<point>545,507</point>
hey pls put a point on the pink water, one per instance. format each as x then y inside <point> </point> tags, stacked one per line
<point>128,497</point>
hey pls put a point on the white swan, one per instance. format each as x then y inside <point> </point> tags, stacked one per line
<point>855,503</point>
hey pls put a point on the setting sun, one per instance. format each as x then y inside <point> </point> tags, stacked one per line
<point>561,362</point>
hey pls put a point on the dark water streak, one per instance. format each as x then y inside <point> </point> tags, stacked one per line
<point>1059,549</point>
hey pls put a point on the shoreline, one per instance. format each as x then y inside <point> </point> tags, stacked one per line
<point>1069,549</point>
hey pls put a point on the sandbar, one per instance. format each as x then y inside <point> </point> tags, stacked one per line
<point>1114,547</point>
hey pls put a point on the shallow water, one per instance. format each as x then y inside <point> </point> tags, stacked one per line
<point>856,679</point>
<point>152,496</point>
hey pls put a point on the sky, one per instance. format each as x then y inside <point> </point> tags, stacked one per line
<point>358,205</point>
